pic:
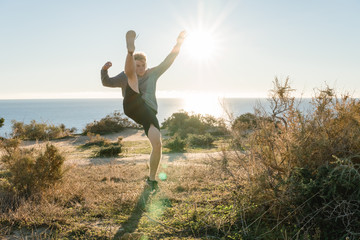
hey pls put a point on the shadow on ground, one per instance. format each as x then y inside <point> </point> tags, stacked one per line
<point>131,224</point>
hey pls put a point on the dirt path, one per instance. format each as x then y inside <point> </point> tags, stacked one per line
<point>76,156</point>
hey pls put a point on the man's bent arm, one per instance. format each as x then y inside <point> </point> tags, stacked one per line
<point>119,80</point>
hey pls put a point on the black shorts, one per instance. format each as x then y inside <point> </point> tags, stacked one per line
<point>136,109</point>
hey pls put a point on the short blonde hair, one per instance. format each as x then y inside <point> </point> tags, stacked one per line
<point>140,56</point>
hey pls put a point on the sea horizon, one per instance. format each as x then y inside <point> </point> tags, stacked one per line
<point>76,113</point>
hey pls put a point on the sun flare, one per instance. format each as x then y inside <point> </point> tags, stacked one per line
<point>204,104</point>
<point>200,44</point>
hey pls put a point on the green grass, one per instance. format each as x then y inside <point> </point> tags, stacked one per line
<point>136,147</point>
<point>144,147</point>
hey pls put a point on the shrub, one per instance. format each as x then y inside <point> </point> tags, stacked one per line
<point>247,123</point>
<point>2,120</point>
<point>108,151</point>
<point>39,131</point>
<point>30,171</point>
<point>329,198</point>
<point>182,124</point>
<point>175,143</point>
<point>95,140</point>
<point>206,140</point>
<point>110,124</point>
<point>104,148</point>
<point>299,171</point>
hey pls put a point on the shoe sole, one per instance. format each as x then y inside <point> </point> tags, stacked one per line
<point>130,40</point>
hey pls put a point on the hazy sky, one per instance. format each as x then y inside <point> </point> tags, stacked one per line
<point>51,49</point>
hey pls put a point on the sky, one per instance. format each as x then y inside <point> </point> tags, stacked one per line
<point>55,49</point>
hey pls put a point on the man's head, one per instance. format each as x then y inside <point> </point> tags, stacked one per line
<point>140,62</point>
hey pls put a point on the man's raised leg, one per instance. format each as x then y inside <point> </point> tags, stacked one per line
<point>130,62</point>
<point>154,136</point>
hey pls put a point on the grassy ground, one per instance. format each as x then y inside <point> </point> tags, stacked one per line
<point>144,147</point>
<point>108,201</point>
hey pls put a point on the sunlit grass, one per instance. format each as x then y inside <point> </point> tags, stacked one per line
<point>97,202</point>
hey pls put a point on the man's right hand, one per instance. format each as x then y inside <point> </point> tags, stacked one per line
<point>107,66</point>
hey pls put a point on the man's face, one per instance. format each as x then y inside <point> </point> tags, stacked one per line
<point>140,67</point>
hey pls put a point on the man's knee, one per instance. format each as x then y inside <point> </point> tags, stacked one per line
<point>155,137</point>
<point>156,144</point>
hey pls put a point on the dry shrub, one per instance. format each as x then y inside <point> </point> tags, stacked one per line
<point>114,122</point>
<point>283,159</point>
<point>28,171</point>
<point>95,140</point>
<point>103,147</point>
<point>39,131</point>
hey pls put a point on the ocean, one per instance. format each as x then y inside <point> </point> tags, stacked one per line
<point>79,112</point>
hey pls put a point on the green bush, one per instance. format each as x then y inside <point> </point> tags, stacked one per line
<point>175,143</point>
<point>28,172</point>
<point>2,120</point>
<point>182,124</point>
<point>243,126</point>
<point>110,124</point>
<point>247,122</point>
<point>329,199</point>
<point>195,140</point>
<point>108,151</point>
<point>39,131</point>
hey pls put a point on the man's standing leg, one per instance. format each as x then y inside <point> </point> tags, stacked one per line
<point>154,136</point>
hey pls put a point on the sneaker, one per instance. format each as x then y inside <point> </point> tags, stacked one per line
<point>152,184</point>
<point>130,41</point>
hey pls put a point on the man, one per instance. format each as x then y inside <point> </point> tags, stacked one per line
<point>138,85</point>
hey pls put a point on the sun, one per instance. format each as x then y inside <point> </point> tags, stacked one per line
<point>200,44</point>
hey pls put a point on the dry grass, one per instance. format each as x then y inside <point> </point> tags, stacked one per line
<point>107,202</point>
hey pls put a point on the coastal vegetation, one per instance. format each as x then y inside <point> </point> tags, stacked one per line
<point>296,174</point>
<point>112,123</point>
<point>193,130</point>
<point>102,147</point>
<point>282,173</point>
<point>182,124</point>
<point>39,131</point>
<point>27,172</point>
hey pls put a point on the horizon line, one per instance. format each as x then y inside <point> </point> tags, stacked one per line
<point>160,95</point>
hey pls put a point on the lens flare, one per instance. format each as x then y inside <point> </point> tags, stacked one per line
<point>162,176</point>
